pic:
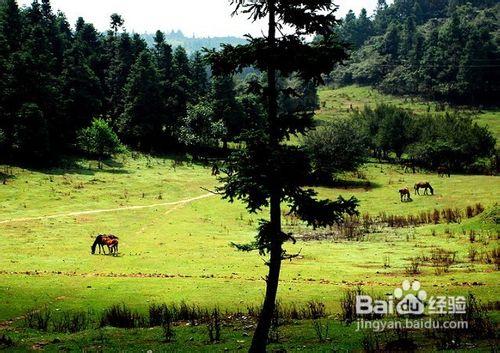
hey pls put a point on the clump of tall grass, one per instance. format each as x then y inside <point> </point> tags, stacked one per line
<point>38,319</point>
<point>71,322</point>
<point>321,326</point>
<point>348,306</point>
<point>214,325</point>
<point>122,316</point>
<point>413,267</point>
<point>442,259</point>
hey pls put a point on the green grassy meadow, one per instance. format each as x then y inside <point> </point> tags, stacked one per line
<point>176,245</point>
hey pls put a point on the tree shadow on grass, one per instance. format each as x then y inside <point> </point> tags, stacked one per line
<point>355,184</point>
<point>83,167</point>
<point>346,184</point>
<point>5,177</point>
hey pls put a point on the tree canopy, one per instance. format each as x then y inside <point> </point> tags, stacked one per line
<point>444,50</point>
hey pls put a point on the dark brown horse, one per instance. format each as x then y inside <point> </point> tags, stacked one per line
<point>409,166</point>
<point>405,194</point>
<point>442,171</point>
<point>423,185</point>
<point>111,241</point>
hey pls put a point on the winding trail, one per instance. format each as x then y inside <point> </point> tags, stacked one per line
<point>118,209</point>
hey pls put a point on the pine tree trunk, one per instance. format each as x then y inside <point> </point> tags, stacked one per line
<point>260,337</point>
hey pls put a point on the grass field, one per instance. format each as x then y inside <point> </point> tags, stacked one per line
<point>175,245</point>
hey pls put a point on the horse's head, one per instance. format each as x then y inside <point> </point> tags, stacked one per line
<point>94,245</point>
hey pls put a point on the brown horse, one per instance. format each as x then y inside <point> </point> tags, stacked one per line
<point>409,166</point>
<point>111,241</point>
<point>423,185</point>
<point>442,171</point>
<point>405,194</point>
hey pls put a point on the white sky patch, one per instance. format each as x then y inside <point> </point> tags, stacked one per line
<point>202,18</point>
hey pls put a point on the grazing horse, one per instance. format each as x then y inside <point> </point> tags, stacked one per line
<point>405,194</point>
<point>112,244</point>
<point>111,241</point>
<point>409,166</point>
<point>442,171</point>
<point>423,185</point>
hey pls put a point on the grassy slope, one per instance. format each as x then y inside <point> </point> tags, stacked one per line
<point>190,242</point>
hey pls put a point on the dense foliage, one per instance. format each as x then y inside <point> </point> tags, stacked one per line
<point>445,49</point>
<point>335,147</point>
<point>55,79</point>
<point>99,139</point>
<point>452,140</point>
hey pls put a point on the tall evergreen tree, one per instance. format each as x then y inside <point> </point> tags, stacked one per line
<point>199,78</point>
<point>164,63</point>
<point>181,83</point>
<point>225,107</point>
<point>82,97</point>
<point>116,77</point>
<point>38,88</point>
<point>141,123</point>
<point>11,38</point>
<point>267,171</point>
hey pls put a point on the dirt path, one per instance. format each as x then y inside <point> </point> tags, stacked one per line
<point>118,209</point>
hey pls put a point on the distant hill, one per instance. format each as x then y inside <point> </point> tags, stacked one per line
<point>440,49</point>
<point>192,44</point>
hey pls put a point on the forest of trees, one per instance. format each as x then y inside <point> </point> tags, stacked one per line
<point>439,49</point>
<point>55,80</point>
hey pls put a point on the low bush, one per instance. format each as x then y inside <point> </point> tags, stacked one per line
<point>38,319</point>
<point>214,326</point>
<point>122,316</point>
<point>71,322</point>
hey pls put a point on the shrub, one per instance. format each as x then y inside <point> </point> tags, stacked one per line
<point>333,148</point>
<point>121,316</point>
<point>413,267</point>
<point>322,329</point>
<point>387,129</point>
<point>348,306</point>
<point>166,324</point>
<point>99,139</point>
<point>38,319</point>
<point>71,322</point>
<point>214,326</point>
